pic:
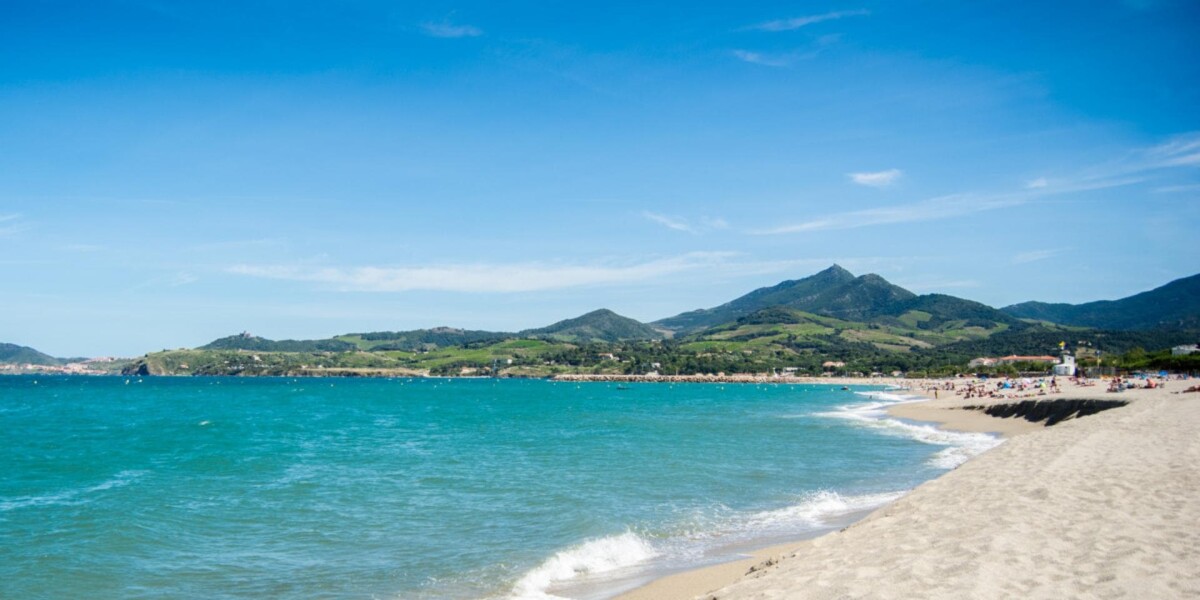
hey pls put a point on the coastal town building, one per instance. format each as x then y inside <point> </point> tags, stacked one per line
<point>1016,358</point>
<point>1185,350</point>
<point>986,361</point>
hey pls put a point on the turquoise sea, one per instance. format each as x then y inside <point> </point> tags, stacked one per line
<point>214,488</point>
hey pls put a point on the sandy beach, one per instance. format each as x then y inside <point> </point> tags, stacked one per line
<point>1102,506</point>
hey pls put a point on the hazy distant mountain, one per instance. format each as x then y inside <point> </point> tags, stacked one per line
<point>1174,305</point>
<point>599,325</point>
<point>14,354</point>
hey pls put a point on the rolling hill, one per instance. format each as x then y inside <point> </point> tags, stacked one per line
<point>599,325</point>
<point>246,341</point>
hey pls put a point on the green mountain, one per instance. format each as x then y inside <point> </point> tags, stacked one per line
<point>599,325</point>
<point>1175,305</point>
<point>837,293</point>
<point>803,294</point>
<point>14,354</point>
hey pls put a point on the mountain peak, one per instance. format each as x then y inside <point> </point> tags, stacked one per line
<point>599,312</point>
<point>834,292</point>
<point>835,273</point>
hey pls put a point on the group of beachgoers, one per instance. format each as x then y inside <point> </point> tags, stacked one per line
<point>1028,387</point>
<point>1119,385</point>
<point>1004,388</point>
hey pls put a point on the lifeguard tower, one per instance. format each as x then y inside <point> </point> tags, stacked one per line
<point>1066,366</point>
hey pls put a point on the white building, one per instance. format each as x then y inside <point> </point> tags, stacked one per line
<point>1066,367</point>
<point>1185,350</point>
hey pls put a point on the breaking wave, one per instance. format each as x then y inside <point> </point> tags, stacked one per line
<point>960,446</point>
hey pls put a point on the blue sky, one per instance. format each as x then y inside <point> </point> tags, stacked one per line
<point>172,172</point>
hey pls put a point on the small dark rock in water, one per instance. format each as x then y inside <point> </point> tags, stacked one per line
<point>1050,411</point>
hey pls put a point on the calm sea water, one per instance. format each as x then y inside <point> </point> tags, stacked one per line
<point>321,488</point>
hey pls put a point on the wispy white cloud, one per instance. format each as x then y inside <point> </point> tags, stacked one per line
<point>798,22</point>
<point>11,224</point>
<point>766,60</point>
<point>669,222</point>
<point>696,226</point>
<point>495,278</point>
<point>877,179</point>
<point>181,278</point>
<point>1180,151</point>
<point>926,210</point>
<point>445,29</point>
<point>1035,256</point>
<point>1137,166</point>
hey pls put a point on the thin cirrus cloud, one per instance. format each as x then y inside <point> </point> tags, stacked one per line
<point>669,222</point>
<point>685,225</point>
<point>941,207</point>
<point>483,278</point>
<point>449,30</point>
<point>1179,152</point>
<point>877,179</point>
<point>1035,256</point>
<point>766,60</point>
<point>11,224</point>
<point>798,22</point>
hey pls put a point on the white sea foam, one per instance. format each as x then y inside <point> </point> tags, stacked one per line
<point>70,497</point>
<point>718,534</point>
<point>818,509</point>
<point>707,534</point>
<point>603,555</point>
<point>960,446</point>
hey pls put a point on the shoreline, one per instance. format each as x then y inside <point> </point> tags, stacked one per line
<point>806,567</point>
